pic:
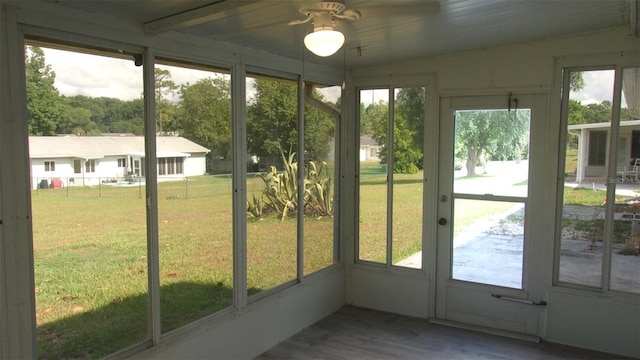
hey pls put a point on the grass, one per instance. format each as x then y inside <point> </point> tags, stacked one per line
<point>90,253</point>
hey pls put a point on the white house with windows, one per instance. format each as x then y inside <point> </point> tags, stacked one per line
<point>593,149</point>
<point>369,149</point>
<point>89,160</point>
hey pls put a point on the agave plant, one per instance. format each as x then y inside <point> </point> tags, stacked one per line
<point>255,206</point>
<point>318,189</point>
<point>281,190</point>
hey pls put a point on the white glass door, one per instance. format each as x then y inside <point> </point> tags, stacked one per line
<point>484,167</point>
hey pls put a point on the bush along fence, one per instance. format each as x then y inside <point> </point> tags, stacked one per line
<point>280,192</point>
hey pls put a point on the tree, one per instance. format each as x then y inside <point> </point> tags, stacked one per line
<point>108,115</point>
<point>408,129</point>
<point>43,101</point>
<point>498,134</point>
<point>165,87</point>
<point>205,115</point>
<point>272,123</point>
<point>75,120</point>
<point>576,82</point>
<point>597,113</point>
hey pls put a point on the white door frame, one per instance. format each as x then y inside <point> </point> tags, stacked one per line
<point>519,311</point>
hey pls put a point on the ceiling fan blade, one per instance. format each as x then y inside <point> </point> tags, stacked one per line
<point>349,14</point>
<point>407,9</point>
<point>298,22</point>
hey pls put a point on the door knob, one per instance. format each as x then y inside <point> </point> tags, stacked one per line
<point>442,221</point>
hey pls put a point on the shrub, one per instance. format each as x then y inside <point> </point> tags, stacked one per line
<point>280,193</point>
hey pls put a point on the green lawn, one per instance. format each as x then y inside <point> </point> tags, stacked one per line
<point>90,253</point>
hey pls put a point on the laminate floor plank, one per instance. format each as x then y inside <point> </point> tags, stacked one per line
<point>357,333</point>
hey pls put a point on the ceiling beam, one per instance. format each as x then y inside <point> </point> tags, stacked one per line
<point>197,16</point>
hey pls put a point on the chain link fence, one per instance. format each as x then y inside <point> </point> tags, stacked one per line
<point>178,187</point>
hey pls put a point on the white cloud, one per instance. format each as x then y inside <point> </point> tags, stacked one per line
<point>95,76</point>
<point>598,87</point>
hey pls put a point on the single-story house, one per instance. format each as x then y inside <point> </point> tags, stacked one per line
<point>89,160</point>
<point>369,149</point>
<point>593,148</point>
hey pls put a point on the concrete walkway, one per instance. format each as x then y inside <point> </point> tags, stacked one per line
<point>497,260</point>
<point>484,256</point>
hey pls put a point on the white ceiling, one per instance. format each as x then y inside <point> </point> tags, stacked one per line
<point>389,30</point>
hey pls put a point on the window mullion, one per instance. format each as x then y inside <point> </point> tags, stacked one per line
<point>300,180</point>
<point>151,186</point>
<point>611,183</point>
<point>390,164</point>
<point>239,145</point>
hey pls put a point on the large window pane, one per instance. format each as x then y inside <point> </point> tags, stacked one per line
<point>625,261</point>
<point>320,158</point>
<point>586,151</point>
<point>89,229</point>
<point>272,193</point>
<point>374,120</point>
<point>193,117</point>
<point>408,155</point>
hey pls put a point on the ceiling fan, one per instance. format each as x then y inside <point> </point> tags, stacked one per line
<point>325,40</point>
<point>327,8</point>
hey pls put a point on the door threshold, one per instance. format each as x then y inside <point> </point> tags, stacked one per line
<point>488,330</point>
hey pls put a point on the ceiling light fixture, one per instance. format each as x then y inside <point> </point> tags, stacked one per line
<point>324,40</point>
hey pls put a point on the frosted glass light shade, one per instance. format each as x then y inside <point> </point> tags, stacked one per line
<point>324,41</point>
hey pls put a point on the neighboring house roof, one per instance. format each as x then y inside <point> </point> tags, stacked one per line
<point>366,140</point>
<point>602,125</point>
<point>96,147</point>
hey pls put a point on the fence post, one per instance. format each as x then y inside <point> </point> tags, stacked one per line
<point>139,187</point>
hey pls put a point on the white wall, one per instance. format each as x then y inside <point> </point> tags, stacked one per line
<point>262,325</point>
<point>195,165</point>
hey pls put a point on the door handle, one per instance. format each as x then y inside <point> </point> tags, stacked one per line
<point>442,221</point>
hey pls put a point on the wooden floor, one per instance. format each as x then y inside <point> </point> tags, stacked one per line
<point>356,333</point>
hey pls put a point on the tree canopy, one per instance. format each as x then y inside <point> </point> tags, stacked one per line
<point>272,122</point>
<point>204,115</point>
<point>408,129</point>
<point>43,101</point>
<point>496,134</point>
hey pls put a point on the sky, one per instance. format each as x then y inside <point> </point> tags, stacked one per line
<point>96,76</point>
<point>599,87</point>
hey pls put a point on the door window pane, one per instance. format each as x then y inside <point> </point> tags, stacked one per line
<point>195,205</point>
<point>374,122</point>
<point>89,242</point>
<point>491,160</point>
<point>492,152</point>
<point>488,242</point>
